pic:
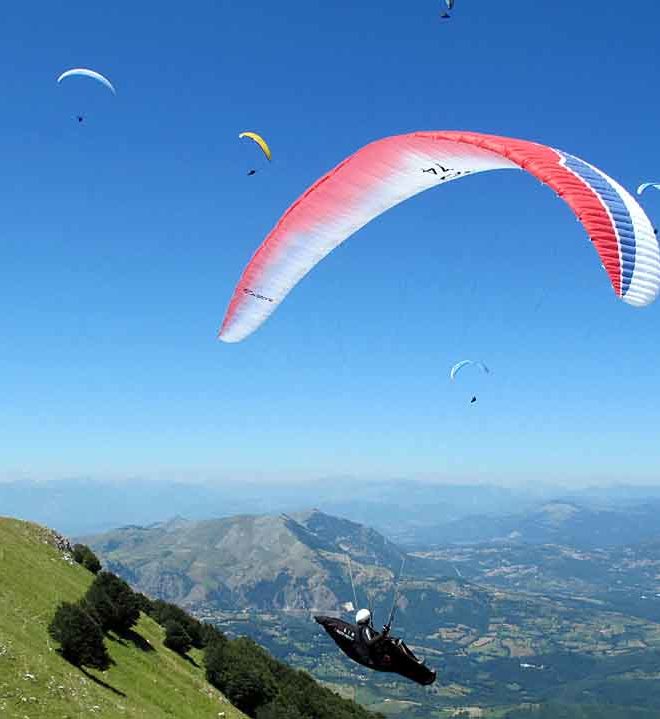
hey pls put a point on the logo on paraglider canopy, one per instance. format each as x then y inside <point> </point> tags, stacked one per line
<point>256,295</point>
<point>445,173</point>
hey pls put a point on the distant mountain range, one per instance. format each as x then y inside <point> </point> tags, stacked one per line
<point>553,523</point>
<point>396,507</point>
<point>410,513</point>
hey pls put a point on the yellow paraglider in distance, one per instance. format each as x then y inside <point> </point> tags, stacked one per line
<point>260,141</point>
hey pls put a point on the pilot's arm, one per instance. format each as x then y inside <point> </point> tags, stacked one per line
<point>371,636</point>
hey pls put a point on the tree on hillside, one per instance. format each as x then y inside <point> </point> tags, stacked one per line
<point>247,675</point>
<point>214,654</point>
<point>79,636</point>
<point>177,638</point>
<point>298,689</point>
<point>125,604</point>
<point>99,607</point>
<point>146,605</point>
<point>84,555</point>
<point>238,670</point>
<point>211,634</point>
<point>164,612</point>
<point>279,709</point>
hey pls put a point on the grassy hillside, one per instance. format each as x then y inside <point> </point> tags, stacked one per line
<point>146,679</point>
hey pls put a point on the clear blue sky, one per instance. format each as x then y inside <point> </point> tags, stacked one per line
<point>121,240</point>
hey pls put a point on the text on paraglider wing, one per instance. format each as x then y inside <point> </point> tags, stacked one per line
<point>345,633</point>
<point>446,173</point>
<point>248,291</point>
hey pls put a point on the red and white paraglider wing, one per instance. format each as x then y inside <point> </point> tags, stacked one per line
<point>391,170</point>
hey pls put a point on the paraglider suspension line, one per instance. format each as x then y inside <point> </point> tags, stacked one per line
<point>390,621</point>
<point>350,574</point>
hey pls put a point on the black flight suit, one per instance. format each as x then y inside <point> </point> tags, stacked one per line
<point>373,646</point>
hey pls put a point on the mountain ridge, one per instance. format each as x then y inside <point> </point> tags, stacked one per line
<point>288,561</point>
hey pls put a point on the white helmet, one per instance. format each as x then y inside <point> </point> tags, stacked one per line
<point>363,616</point>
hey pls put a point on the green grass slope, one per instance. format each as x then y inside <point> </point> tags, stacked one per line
<point>146,680</point>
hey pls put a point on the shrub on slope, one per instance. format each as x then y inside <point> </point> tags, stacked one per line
<point>79,636</point>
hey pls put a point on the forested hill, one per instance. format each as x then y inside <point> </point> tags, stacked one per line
<point>161,663</point>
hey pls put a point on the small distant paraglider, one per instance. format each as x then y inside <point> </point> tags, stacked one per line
<point>645,185</point>
<point>86,72</point>
<point>256,137</point>
<point>466,363</point>
<point>450,6</point>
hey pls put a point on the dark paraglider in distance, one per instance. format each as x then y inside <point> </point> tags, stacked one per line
<point>80,118</point>
<point>252,172</point>
<point>473,400</point>
<point>445,16</point>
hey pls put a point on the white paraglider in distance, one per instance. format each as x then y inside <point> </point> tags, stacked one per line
<point>86,72</point>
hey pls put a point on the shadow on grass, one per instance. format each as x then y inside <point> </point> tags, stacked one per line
<point>190,659</point>
<point>134,638</point>
<point>104,662</point>
<point>101,683</point>
<point>138,640</point>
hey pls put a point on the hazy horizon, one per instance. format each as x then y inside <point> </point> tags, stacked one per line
<point>526,483</point>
